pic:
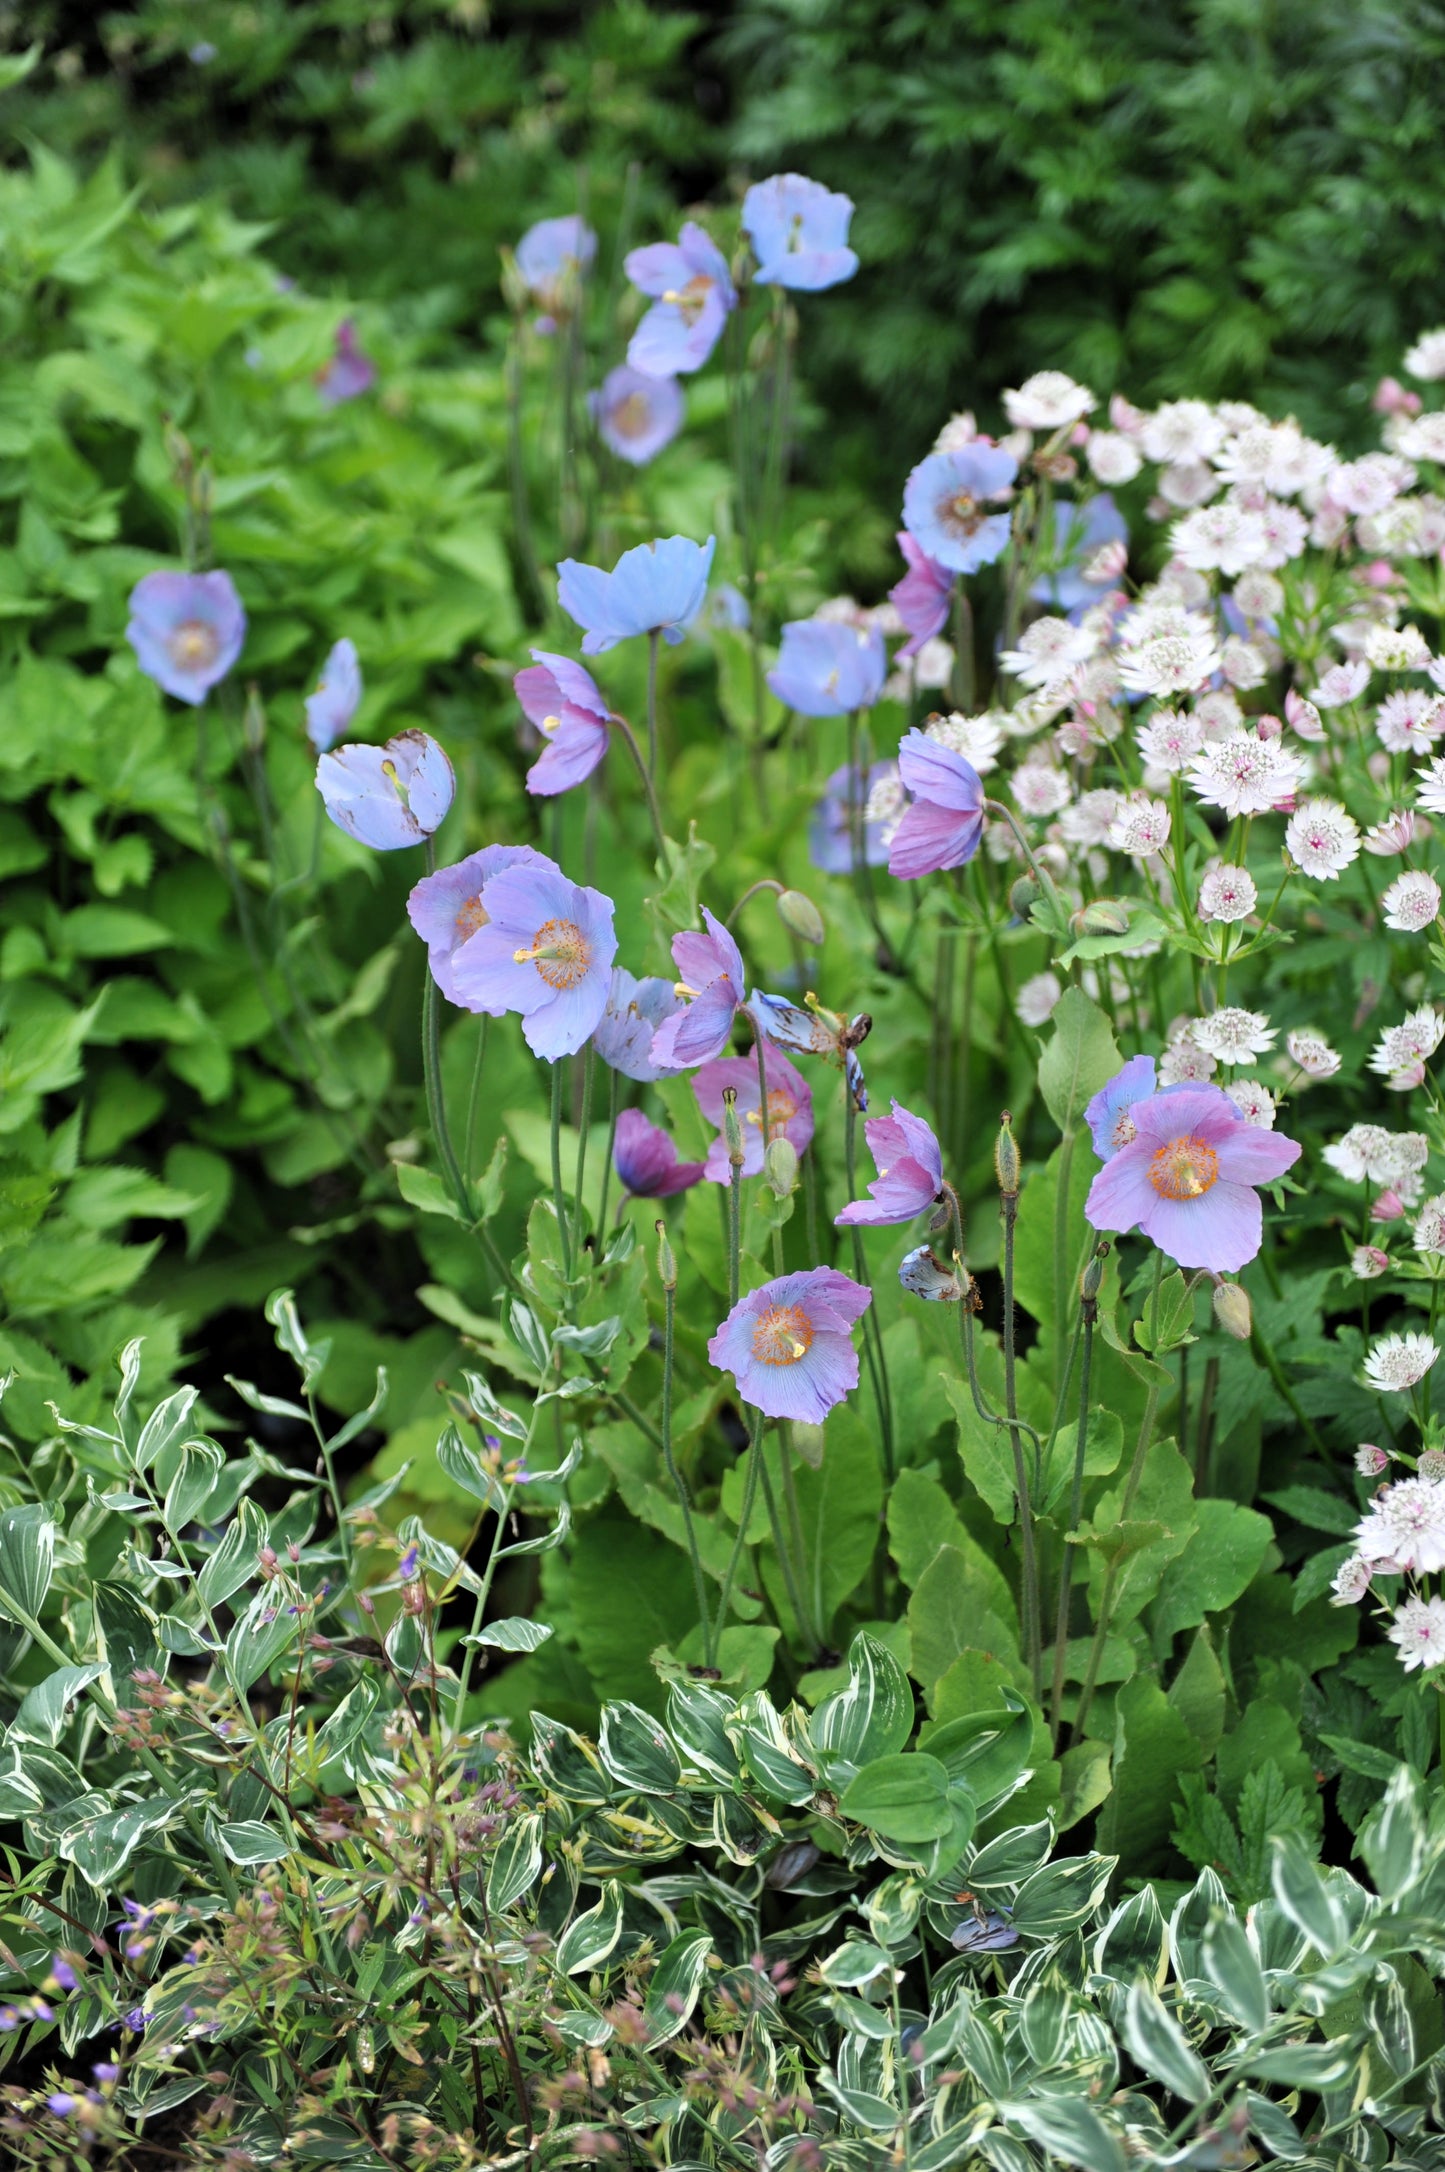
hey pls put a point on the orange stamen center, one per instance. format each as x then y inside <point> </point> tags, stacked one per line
<point>1184,1169</point>
<point>471,915</point>
<point>782,1108</point>
<point>784,1333</point>
<point>1125,1130</point>
<point>560,952</point>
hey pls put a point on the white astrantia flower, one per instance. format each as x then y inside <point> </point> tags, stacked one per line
<point>1370,485</point>
<point>1429,1232</point>
<point>1322,839</point>
<point>1234,1035</point>
<point>1370,1152</point>
<point>1185,1063</point>
<point>1405,1049</point>
<point>1048,652</point>
<point>976,738</point>
<point>1410,720</point>
<point>1141,826</point>
<point>1398,1363</point>
<point>926,672</point>
<point>1165,648</point>
<point>1112,457</point>
<point>1342,683</point>
<point>1035,1000</point>
<point>1370,1461</point>
<point>1419,1630</point>
<point>1218,714</point>
<point>1039,789</point>
<point>887,801</point>
<point>1254,1101</point>
<point>1090,819</point>
<point>1048,401</point>
<point>1367,1262</point>
<point>1405,1524</point>
<point>1220,538</point>
<point>1243,664</point>
<point>1397,648</point>
<point>1245,775</point>
<point>1182,431</point>
<point>1188,482</point>
<point>1395,834</point>
<point>1351,1582</point>
<point>1286,531</point>
<point>1422,438</point>
<point>1312,1053</point>
<point>1170,739</point>
<point>1431,795</point>
<point>959,430</point>
<point>1259,595</point>
<point>1425,361</point>
<point>1412,903</point>
<point>1228,894</point>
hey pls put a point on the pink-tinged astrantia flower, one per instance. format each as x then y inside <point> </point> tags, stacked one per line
<point>646,1159</point>
<point>945,505</point>
<point>943,826</point>
<point>1111,1127</point>
<point>714,986</point>
<point>545,951</point>
<point>921,598</point>
<point>790,1108</point>
<point>550,255</point>
<point>789,1345</point>
<point>565,704</point>
<point>336,700</point>
<point>693,294</point>
<point>349,373</point>
<point>447,908</point>
<point>635,1009</point>
<point>826,669</point>
<point>390,796</point>
<point>636,415</point>
<point>1405,1527</point>
<point>1187,1178</point>
<point>1419,1630</point>
<point>910,1170</point>
<point>654,588</point>
<point>799,233</point>
<point>186,630</point>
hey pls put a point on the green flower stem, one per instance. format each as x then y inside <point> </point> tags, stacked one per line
<point>613,1098</point>
<point>629,739</point>
<point>761,1054</point>
<point>431,1058</point>
<point>1033,1627</point>
<point>652,641</point>
<point>479,1609</point>
<point>578,1211</point>
<point>784,1554</point>
<point>517,479</point>
<point>469,1136</point>
<point>558,1197</point>
<point>1039,873</point>
<point>750,1494</point>
<point>1088,1313</point>
<point>679,1485</point>
<point>873,1351</point>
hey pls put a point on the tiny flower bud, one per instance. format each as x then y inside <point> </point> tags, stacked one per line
<point>365,1601</point>
<point>1367,1261</point>
<point>1231,1310</point>
<point>1092,1276</point>
<point>666,1263</point>
<point>732,1129</point>
<point>1431,1464</point>
<point>1006,1159</point>
<point>780,1167</point>
<point>1024,895</point>
<point>1105,916</point>
<point>1370,1461</point>
<point>800,916</point>
<point>268,1561</point>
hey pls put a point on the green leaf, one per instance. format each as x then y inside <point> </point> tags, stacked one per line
<point>1067,2129</point>
<point>1153,1745</point>
<point>1080,1058</point>
<point>904,1797</point>
<point>1315,1509</point>
<point>636,1751</point>
<point>1157,2043</point>
<point>27,1559</point>
<point>1305,1898</point>
<point>44,1710</point>
<point>514,1634</point>
<point>1219,1562</point>
<point>672,1991</point>
<point>516,1864</point>
<point>1231,1966</point>
<point>988,1751</point>
<point>695,1719</point>
<point>1197,1693</point>
<point>1392,1840</point>
<point>248,1842</point>
<point>1134,1942</point>
<point>590,1937</point>
<point>950,1613</point>
<point>100,1847</point>
<point>874,1714</point>
<point>1059,1896</point>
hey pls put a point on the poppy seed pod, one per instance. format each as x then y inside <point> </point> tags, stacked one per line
<point>1024,895</point>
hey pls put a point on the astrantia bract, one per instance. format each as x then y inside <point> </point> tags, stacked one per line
<point>1187,1178</point>
<point>789,1345</point>
<point>567,707</point>
<point>943,826</point>
<point>388,797</point>
<point>186,630</point>
<point>637,414</point>
<point>336,700</point>
<point>447,908</point>
<point>693,294</point>
<point>910,1171</point>
<point>799,233</point>
<point>828,669</point>
<point>545,951</point>
<point>654,588</point>
<point>646,1159</point>
<point>946,505</point>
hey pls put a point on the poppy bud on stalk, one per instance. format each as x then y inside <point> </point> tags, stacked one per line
<point>1232,1310</point>
<point>1006,1163</point>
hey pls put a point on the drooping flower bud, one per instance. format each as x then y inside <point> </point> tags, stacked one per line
<point>1024,895</point>
<point>1007,1167</point>
<point>1104,916</point>
<point>800,916</point>
<point>1232,1310</point>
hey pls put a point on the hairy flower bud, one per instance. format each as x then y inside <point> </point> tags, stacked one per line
<point>1370,1461</point>
<point>732,1129</point>
<point>666,1261</point>
<point>780,1167</point>
<point>1105,916</point>
<point>1431,1464</point>
<point>1007,1167</point>
<point>800,916</point>
<point>1232,1310</point>
<point>1093,1276</point>
<point>1024,895</point>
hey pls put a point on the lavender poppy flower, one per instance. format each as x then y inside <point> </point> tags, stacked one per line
<point>388,796</point>
<point>654,588</point>
<point>923,1274</point>
<point>799,233</point>
<point>337,698</point>
<point>1187,1177</point>
<point>790,1108</point>
<point>544,950</point>
<point>1111,1127</point>
<point>349,372</point>
<point>910,1170</point>
<point>789,1344</point>
<point>1079,531</point>
<point>446,909</point>
<point>635,1009</point>
<point>186,630</point>
<point>727,606</point>
<point>815,1032</point>
<point>549,257</point>
<point>694,293</point>
<point>636,415</point>
<point>945,505</point>
<point>943,826</point>
<point>565,704</point>
<point>922,597</point>
<point>714,985</point>
<point>646,1159</point>
<point>830,833</point>
<point>828,669</point>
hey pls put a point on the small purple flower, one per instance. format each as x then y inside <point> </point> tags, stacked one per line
<point>646,1159</point>
<point>714,986</point>
<point>922,597</point>
<point>636,415</point>
<point>799,233</point>
<point>336,700</point>
<point>349,373</point>
<point>406,1567</point>
<point>945,505</point>
<point>105,2070</point>
<point>63,1974</point>
<point>689,278</point>
<point>388,797</point>
<point>943,826</point>
<point>549,257</point>
<point>446,909</point>
<point>565,704</point>
<point>828,669</point>
<point>136,2020</point>
<point>1111,1127</point>
<point>789,1345</point>
<point>910,1170</point>
<point>654,588</point>
<point>728,606</point>
<point>635,1010</point>
<point>545,950</point>
<point>186,630</point>
<point>1079,531</point>
<point>61,2103</point>
<point>790,1108</point>
<point>830,833</point>
<point>1187,1177</point>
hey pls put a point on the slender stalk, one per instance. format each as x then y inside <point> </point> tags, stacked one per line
<point>652,641</point>
<point>761,1053</point>
<point>558,1196</point>
<point>469,1136</point>
<point>785,1561</point>
<point>1033,1632</point>
<point>613,1099</point>
<point>873,1351</point>
<point>620,724</point>
<point>750,1494</point>
<point>431,1056</point>
<point>578,1211</point>
<point>517,479</point>
<point>679,1486</point>
<point>1088,1313</point>
<point>479,1609</point>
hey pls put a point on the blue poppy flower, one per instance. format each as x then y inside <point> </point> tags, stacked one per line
<point>689,278</point>
<point>186,630</point>
<point>1079,531</point>
<point>655,588</point>
<point>637,414</point>
<point>336,700</point>
<point>826,668</point>
<point>799,233</point>
<point>945,505</point>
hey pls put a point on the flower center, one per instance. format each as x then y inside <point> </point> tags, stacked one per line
<point>471,915</point>
<point>689,300</point>
<point>193,645</point>
<point>631,416</point>
<point>782,1108</point>
<point>560,952</point>
<point>1184,1169</point>
<point>961,513</point>
<point>1125,1130</point>
<point>784,1333</point>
